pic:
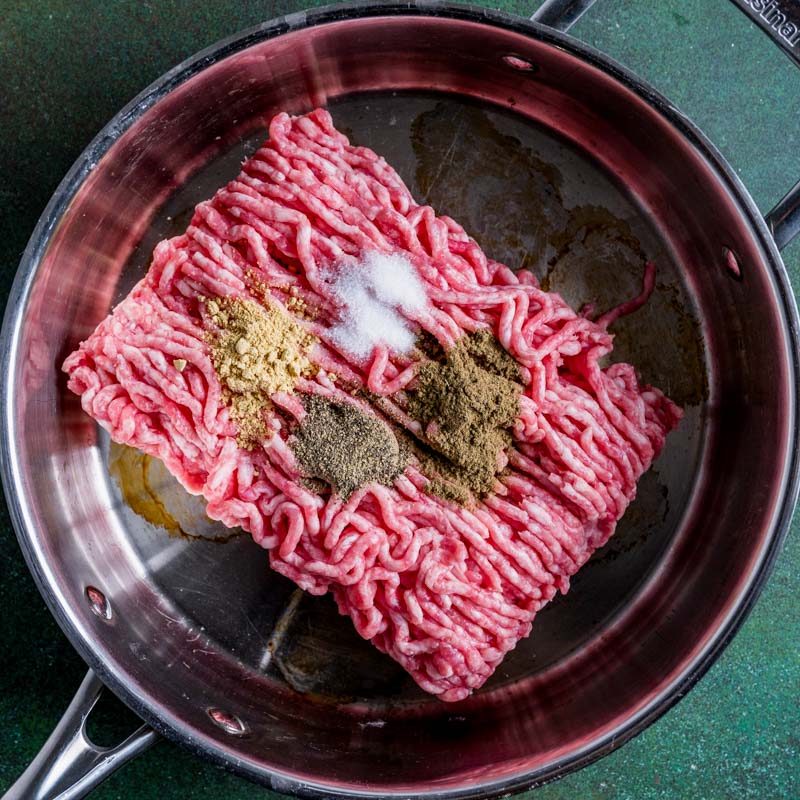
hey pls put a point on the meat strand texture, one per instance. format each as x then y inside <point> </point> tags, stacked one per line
<point>446,591</point>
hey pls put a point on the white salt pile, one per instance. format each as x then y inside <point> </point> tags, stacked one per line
<point>374,292</point>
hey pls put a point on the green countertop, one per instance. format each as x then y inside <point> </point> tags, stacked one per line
<point>66,67</point>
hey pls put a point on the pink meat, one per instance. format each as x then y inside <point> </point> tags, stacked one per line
<point>446,591</point>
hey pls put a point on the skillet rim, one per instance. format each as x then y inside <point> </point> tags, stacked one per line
<point>25,277</point>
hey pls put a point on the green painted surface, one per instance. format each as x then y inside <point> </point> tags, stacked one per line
<point>67,67</point>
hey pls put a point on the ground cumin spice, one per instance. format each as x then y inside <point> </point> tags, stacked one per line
<point>467,403</point>
<point>256,352</point>
<point>346,447</point>
<point>490,355</point>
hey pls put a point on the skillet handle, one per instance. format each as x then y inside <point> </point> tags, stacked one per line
<point>69,765</point>
<point>779,19</point>
<point>784,219</point>
<point>561,14</point>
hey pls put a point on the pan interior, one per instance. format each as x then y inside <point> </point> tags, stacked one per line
<point>534,201</point>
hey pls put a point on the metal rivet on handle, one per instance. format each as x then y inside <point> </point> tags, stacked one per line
<point>98,602</point>
<point>230,723</point>
<point>731,263</point>
<point>519,63</point>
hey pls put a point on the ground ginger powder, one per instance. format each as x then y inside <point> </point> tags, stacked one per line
<point>256,352</point>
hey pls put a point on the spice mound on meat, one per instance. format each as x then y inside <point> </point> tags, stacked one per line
<point>398,419</point>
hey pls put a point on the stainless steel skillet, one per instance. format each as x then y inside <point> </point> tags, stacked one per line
<point>181,630</point>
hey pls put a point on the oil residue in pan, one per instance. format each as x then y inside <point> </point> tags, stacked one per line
<point>312,649</point>
<point>151,492</point>
<point>596,253</point>
<point>504,195</point>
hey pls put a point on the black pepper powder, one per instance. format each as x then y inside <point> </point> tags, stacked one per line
<point>345,447</point>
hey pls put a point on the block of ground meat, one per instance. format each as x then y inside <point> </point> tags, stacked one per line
<point>444,584</point>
